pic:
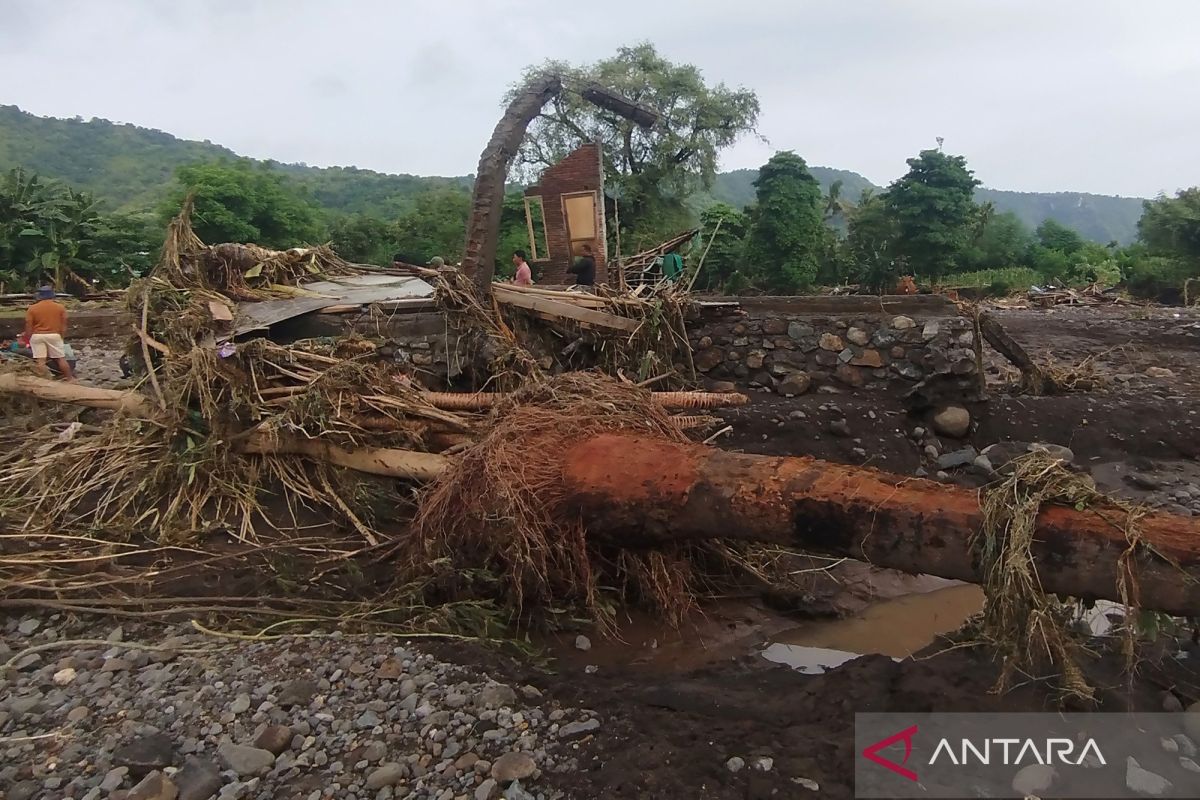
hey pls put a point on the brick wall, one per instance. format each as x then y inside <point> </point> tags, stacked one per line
<point>581,171</point>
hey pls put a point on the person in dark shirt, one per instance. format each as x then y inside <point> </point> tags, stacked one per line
<point>584,268</point>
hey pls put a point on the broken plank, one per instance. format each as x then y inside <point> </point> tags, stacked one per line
<point>560,310</point>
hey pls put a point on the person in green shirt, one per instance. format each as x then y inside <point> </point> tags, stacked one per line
<point>672,266</point>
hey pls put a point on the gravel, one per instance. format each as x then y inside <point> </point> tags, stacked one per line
<point>199,717</point>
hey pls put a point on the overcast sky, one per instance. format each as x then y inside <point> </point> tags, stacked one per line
<point>1039,95</point>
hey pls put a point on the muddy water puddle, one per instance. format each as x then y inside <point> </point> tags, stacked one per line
<point>898,628</point>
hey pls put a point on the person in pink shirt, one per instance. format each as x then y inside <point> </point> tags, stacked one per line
<point>524,273</point>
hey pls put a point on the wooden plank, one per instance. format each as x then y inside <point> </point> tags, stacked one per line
<point>560,310</point>
<point>574,298</point>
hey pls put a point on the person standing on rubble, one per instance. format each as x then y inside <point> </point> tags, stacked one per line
<point>45,325</point>
<point>524,276</point>
<point>584,268</point>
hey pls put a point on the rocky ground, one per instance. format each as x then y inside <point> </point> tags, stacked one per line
<point>168,712</point>
<point>153,713</point>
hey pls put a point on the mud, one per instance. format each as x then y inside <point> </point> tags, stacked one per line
<point>675,705</point>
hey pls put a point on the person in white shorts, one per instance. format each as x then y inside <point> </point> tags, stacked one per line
<point>45,325</point>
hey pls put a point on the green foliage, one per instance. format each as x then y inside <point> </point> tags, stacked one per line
<point>1000,240</point>
<point>787,236</point>
<point>51,233</point>
<point>1055,236</point>
<point>239,201</point>
<point>725,258</point>
<point>1171,226</point>
<point>652,171</point>
<point>868,245</point>
<point>998,281</point>
<point>362,239</point>
<point>435,226</point>
<point>934,209</point>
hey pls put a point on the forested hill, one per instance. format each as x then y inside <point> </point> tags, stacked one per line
<point>1101,218</point>
<point>130,168</point>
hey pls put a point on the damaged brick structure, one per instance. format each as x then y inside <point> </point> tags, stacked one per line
<point>564,211</point>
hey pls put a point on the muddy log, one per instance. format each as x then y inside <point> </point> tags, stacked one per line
<point>646,490</point>
<point>1033,377</point>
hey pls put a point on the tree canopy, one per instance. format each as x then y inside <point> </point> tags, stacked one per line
<point>933,205</point>
<point>785,241</point>
<point>237,201</point>
<point>50,232</point>
<point>650,171</point>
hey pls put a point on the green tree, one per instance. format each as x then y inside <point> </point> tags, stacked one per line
<point>786,238</point>
<point>1170,226</point>
<point>652,170</point>
<point>436,225</point>
<point>1056,236</point>
<point>238,202</point>
<point>723,245</point>
<point>362,239</point>
<point>934,210</point>
<point>50,232</point>
<point>869,243</point>
<point>1001,241</point>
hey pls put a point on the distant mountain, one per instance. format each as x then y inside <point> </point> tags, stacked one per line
<point>1101,218</point>
<point>130,168</point>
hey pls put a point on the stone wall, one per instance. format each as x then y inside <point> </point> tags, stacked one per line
<point>868,344</point>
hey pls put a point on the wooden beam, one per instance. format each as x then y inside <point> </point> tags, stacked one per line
<point>557,309</point>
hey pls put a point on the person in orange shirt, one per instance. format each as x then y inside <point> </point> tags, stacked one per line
<point>45,325</point>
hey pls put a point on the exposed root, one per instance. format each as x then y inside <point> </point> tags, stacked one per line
<point>499,521</point>
<point>1030,629</point>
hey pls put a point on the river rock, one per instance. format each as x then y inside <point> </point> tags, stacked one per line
<point>246,760</point>
<point>486,790</point>
<point>1143,781</point>
<point>240,704</point>
<point>145,755</point>
<point>27,627</point>
<point>1034,780</point>
<point>496,695</point>
<point>795,384</point>
<point>154,786</point>
<point>113,779</point>
<point>858,336</point>
<point>198,779</point>
<point>513,766</point>
<point>274,738</point>
<point>735,764</point>
<point>957,458</point>
<point>387,775</point>
<point>1054,451</point>
<point>952,421</point>
<point>902,323</point>
<point>831,342</point>
<point>799,330</point>
<point>297,693</point>
<point>1159,372</point>
<point>583,643</point>
<point>1191,721</point>
<point>575,730</point>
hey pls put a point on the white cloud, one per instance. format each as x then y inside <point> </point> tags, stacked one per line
<point>1089,95</point>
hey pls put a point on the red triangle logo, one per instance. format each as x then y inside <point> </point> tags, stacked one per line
<point>871,753</point>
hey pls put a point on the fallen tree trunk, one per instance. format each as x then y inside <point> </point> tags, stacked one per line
<point>640,489</point>
<point>373,460</point>
<point>1033,377</point>
<point>63,392</point>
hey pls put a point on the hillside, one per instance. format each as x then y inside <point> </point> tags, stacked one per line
<point>1101,218</point>
<point>130,168</point>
